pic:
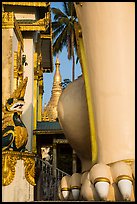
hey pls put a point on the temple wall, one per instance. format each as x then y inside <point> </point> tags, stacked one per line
<point>19,190</point>
<point>6,63</point>
<point>27,115</point>
<point>14,48</point>
<point>9,45</point>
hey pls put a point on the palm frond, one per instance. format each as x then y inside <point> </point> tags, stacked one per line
<point>57,31</point>
<point>60,22</point>
<point>63,31</point>
<point>57,13</point>
<point>70,8</point>
<point>60,41</point>
<point>55,25</point>
<point>65,8</point>
<point>63,20</point>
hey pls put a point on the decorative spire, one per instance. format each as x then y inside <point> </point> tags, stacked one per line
<point>57,61</point>
<point>50,111</point>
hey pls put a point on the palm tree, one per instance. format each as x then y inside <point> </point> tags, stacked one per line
<point>63,31</point>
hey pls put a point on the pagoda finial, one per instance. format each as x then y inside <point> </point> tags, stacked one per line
<point>57,60</point>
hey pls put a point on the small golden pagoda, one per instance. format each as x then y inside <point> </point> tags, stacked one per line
<point>50,110</point>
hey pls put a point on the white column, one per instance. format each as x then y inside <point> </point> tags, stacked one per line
<point>19,190</point>
<point>27,115</point>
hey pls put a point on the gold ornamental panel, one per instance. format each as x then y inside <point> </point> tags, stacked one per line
<point>29,164</point>
<point>8,168</point>
<point>9,160</point>
<point>8,20</point>
<point>35,4</point>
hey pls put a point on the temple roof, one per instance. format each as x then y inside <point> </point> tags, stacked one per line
<point>42,125</point>
<point>48,127</point>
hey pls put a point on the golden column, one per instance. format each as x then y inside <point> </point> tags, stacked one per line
<point>40,81</point>
<point>15,70</point>
<point>20,63</point>
<point>35,99</point>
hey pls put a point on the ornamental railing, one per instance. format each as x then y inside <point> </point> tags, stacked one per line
<point>47,181</point>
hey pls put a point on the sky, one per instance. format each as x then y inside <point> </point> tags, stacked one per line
<point>65,67</point>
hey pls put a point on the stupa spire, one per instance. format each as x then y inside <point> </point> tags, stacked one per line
<point>50,111</point>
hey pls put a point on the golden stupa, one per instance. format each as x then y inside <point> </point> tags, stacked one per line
<point>50,110</point>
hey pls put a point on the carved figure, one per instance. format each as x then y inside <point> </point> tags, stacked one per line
<point>44,152</point>
<point>14,132</point>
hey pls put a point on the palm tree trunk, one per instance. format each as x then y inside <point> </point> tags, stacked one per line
<point>73,57</point>
<point>73,68</point>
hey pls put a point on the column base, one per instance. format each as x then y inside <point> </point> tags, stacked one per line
<point>18,170</point>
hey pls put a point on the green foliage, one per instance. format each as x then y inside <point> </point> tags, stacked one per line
<point>63,31</point>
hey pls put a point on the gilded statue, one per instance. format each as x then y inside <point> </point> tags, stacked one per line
<point>14,132</point>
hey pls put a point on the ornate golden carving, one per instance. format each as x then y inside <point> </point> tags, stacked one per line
<point>36,4</point>
<point>41,24</point>
<point>9,160</point>
<point>42,21</point>
<point>39,63</point>
<point>29,170</point>
<point>46,36</point>
<point>15,65</point>
<point>7,119</point>
<point>38,72</point>
<point>44,118</point>
<point>9,21</point>
<point>20,92</point>
<point>20,67</point>
<point>20,77</point>
<point>14,132</point>
<point>35,63</point>
<point>8,168</point>
<point>21,136</point>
